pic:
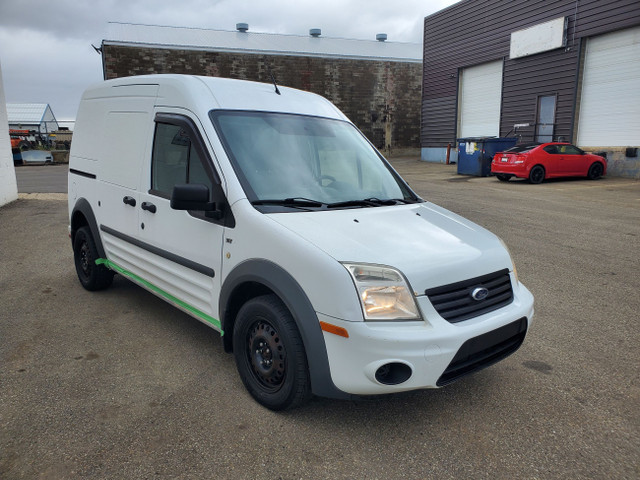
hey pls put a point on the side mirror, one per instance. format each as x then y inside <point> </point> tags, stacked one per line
<point>191,196</point>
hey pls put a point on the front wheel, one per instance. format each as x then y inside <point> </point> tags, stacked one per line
<point>92,277</point>
<point>595,171</point>
<point>536,175</point>
<point>270,355</point>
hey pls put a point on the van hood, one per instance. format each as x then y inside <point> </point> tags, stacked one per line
<point>428,244</point>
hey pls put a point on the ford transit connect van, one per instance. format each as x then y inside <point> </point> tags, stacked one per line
<point>264,213</point>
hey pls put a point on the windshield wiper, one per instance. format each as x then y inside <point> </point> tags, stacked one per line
<point>407,200</point>
<point>365,202</point>
<point>302,202</point>
<point>290,202</point>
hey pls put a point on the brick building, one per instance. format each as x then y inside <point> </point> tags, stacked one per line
<point>376,83</point>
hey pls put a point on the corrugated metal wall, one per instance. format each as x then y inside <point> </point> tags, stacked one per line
<point>473,32</point>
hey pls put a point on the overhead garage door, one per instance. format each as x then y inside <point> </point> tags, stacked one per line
<point>479,100</point>
<point>610,102</point>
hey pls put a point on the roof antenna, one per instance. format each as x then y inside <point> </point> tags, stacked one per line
<point>273,79</point>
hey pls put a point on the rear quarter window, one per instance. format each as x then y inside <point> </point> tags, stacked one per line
<point>521,148</point>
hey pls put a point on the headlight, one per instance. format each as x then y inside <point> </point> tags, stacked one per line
<point>384,293</point>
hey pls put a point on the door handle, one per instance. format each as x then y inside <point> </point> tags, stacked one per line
<point>149,207</point>
<point>129,201</point>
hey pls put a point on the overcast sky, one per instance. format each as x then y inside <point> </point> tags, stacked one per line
<point>45,45</point>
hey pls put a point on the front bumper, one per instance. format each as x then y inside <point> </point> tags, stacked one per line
<point>423,354</point>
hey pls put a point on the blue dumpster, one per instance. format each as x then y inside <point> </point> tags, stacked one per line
<point>475,153</point>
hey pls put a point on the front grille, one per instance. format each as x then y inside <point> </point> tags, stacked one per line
<point>485,350</point>
<point>454,302</point>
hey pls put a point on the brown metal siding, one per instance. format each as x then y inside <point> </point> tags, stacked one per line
<point>526,78</point>
<point>477,31</point>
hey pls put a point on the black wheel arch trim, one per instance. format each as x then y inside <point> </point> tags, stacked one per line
<point>84,207</point>
<point>280,282</point>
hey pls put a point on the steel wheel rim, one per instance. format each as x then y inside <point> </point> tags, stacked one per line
<point>266,355</point>
<point>85,259</point>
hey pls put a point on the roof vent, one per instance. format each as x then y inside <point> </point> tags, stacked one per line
<point>242,27</point>
<point>381,37</point>
<point>315,32</point>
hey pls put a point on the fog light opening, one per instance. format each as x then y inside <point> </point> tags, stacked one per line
<point>393,373</point>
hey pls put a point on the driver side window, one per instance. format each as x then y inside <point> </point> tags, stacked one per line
<point>175,160</point>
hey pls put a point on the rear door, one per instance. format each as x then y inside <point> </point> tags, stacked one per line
<point>121,147</point>
<point>183,249</point>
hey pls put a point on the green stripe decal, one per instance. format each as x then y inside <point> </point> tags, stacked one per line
<point>159,291</point>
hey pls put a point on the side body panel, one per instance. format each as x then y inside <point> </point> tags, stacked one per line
<point>116,142</point>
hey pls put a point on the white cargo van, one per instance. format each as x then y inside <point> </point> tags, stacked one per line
<point>268,216</point>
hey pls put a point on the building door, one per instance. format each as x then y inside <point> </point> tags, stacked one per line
<point>545,121</point>
<point>610,99</point>
<point>480,96</point>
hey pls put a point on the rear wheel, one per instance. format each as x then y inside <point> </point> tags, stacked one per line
<point>502,177</point>
<point>270,355</point>
<point>92,277</point>
<point>536,175</point>
<point>595,171</point>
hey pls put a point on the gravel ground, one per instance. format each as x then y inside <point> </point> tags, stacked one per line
<point>118,384</point>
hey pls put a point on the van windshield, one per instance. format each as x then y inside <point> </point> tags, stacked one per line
<point>297,161</point>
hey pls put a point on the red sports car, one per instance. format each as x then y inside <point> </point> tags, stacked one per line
<point>548,160</point>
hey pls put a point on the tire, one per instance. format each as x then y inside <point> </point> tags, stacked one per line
<point>502,177</point>
<point>595,171</point>
<point>536,175</point>
<point>92,277</point>
<point>270,355</point>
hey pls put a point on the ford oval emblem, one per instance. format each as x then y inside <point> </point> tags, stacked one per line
<point>479,293</point>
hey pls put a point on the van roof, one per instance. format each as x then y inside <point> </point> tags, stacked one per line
<point>200,93</point>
